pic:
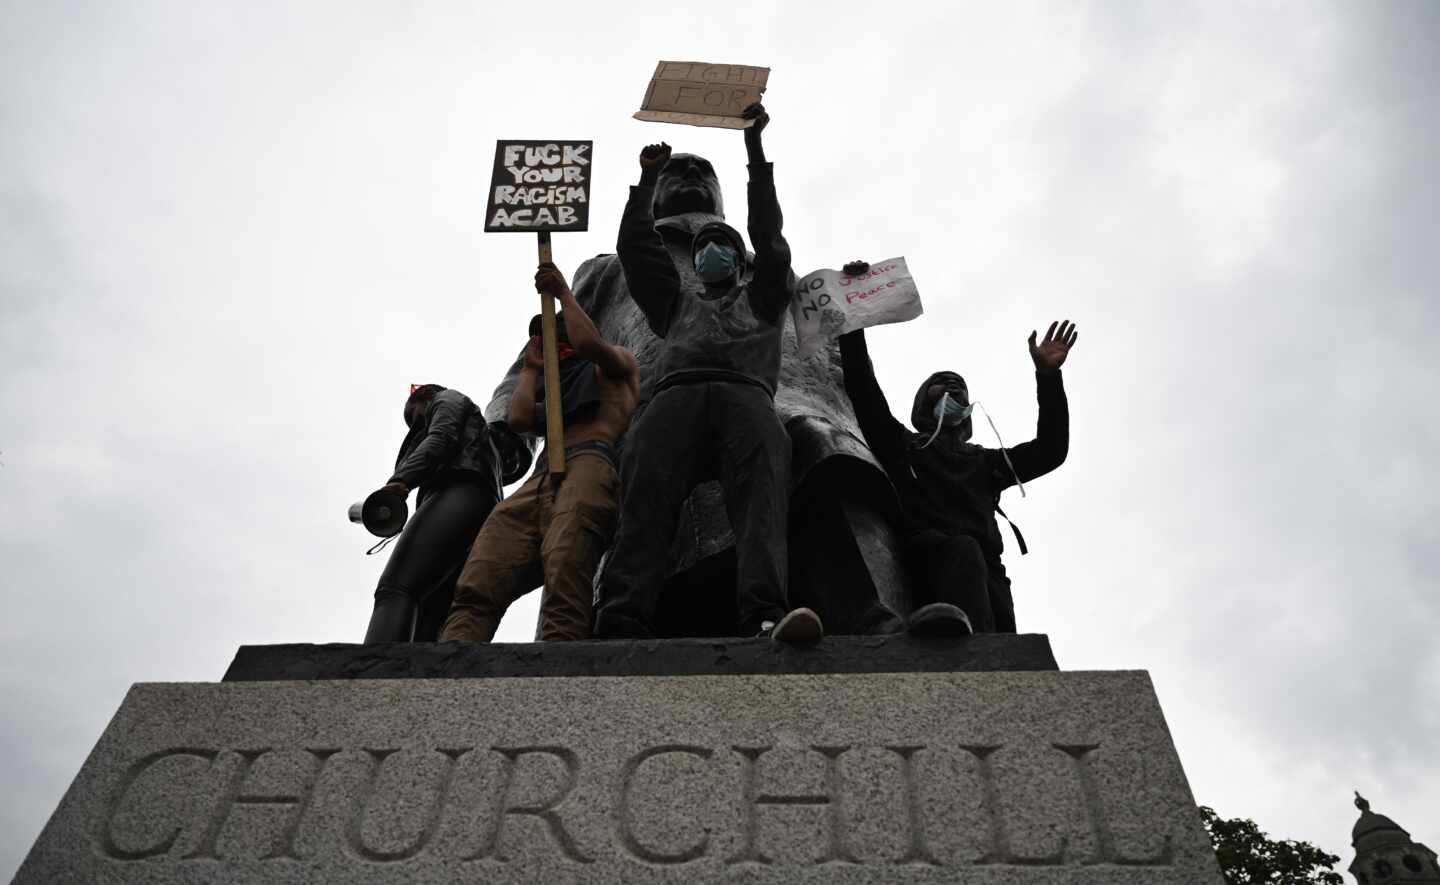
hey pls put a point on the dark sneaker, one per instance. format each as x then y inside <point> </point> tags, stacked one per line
<point>938,619</point>
<point>800,625</point>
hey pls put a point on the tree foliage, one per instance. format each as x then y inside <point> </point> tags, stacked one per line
<point>1250,857</point>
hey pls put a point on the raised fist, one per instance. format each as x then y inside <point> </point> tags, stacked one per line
<point>757,113</point>
<point>654,156</point>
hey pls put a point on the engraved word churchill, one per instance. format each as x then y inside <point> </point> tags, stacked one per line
<point>664,805</point>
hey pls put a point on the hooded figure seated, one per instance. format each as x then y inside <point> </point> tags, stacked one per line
<point>711,413</point>
<point>949,488</point>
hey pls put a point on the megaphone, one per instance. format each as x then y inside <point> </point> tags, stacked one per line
<point>383,513</point>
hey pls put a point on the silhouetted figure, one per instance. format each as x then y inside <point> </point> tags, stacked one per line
<point>950,488</point>
<point>711,414</point>
<point>842,547</point>
<point>449,457</point>
<point>556,527</point>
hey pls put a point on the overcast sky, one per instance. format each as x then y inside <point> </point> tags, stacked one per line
<point>232,236</point>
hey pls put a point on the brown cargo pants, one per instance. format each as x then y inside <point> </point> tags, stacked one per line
<point>550,532</point>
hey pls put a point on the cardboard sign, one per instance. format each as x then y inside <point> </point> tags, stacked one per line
<point>699,94</point>
<point>829,303</point>
<point>540,186</point>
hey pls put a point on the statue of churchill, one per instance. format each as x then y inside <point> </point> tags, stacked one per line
<point>843,555</point>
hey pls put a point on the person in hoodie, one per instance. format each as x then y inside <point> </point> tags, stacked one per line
<point>556,527</point>
<point>949,488</point>
<point>450,457</point>
<point>711,411</point>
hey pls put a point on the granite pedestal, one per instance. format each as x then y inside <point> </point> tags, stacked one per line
<point>757,771</point>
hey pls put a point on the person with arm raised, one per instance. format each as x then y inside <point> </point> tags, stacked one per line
<point>554,529</point>
<point>949,488</point>
<point>711,412</point>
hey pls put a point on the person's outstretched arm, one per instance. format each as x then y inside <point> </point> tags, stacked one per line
<point>1052,427</point>
<point>773,284</point>
<point>614,361</point>
<point>649,274</point>
<point>885,436</point>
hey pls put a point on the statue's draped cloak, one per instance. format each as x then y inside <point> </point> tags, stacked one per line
<point>829,456</point>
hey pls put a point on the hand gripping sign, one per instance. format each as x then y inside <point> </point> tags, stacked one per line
<point>539,187</point>
<point>699,94</point>
<point>829,303</point>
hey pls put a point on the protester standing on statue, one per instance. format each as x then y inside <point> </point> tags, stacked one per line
<point>950,488</point>
<point>844,555</point>
<point>712,412</point>
<point>449,456</point>
<point>556,527</point>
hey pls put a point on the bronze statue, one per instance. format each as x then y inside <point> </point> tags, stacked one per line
<point>843,553</point>
<point>711,414</point>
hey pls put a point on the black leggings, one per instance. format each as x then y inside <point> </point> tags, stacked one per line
<point>426,560</point>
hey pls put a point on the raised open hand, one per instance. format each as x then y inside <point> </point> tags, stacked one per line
<point>654,156</point>
<point>1049,355</point>
<point>550,281</point>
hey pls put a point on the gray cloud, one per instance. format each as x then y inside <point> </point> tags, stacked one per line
<point>230,238</point>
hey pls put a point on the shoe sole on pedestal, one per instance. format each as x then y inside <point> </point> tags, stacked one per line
<point>800,625</point>
<point>938,619</point>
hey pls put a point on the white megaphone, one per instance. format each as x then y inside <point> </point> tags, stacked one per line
<point>383,513</point>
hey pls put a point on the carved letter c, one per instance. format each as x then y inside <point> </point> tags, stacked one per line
<point>132,774</point>
<point>627,830</point>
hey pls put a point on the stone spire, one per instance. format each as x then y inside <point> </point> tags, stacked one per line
<point>1385,854</point>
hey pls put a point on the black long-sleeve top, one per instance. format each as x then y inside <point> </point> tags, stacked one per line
<point>951,487</point>
<point>733,335</point>
<point>451,436</point>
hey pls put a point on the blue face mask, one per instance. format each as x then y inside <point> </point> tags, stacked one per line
<point>715,262</point>
<point>949,412</point>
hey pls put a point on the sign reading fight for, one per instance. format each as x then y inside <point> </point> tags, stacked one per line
<point>829,303</point>
<point>700,94</point>
<point>540,186</point>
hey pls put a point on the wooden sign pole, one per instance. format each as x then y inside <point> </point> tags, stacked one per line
<point>554,423</point>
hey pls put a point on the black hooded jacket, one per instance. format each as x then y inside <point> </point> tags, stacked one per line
<point>734,336</point>
<point>451,436</point>
<point>949,486</point>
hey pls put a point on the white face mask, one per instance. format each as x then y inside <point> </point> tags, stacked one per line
<point>950,413</point>
<point>715,262</point>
